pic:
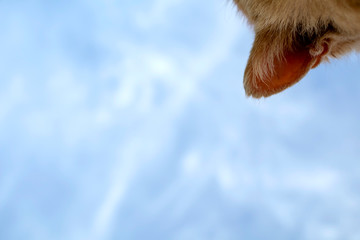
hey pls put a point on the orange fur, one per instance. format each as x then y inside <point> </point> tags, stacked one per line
<point>293,36</point>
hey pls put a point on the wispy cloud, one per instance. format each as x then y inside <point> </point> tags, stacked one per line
<point>128,121</point>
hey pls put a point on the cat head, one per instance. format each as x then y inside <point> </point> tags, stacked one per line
<point>294,36</point>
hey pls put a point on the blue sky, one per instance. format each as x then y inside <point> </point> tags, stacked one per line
<point>128,120</point>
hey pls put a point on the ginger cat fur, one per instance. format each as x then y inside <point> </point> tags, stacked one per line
<point>293,36</point>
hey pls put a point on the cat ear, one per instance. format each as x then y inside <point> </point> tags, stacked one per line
<point>276,63</point>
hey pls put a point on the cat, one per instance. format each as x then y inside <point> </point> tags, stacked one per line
<point>294,36</point>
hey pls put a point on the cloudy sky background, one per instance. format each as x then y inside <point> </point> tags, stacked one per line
<point>128,120</point>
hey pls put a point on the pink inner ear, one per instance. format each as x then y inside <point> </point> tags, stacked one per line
<point>295,66</point>
<point>287,71</point>
<point>266,74</point>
